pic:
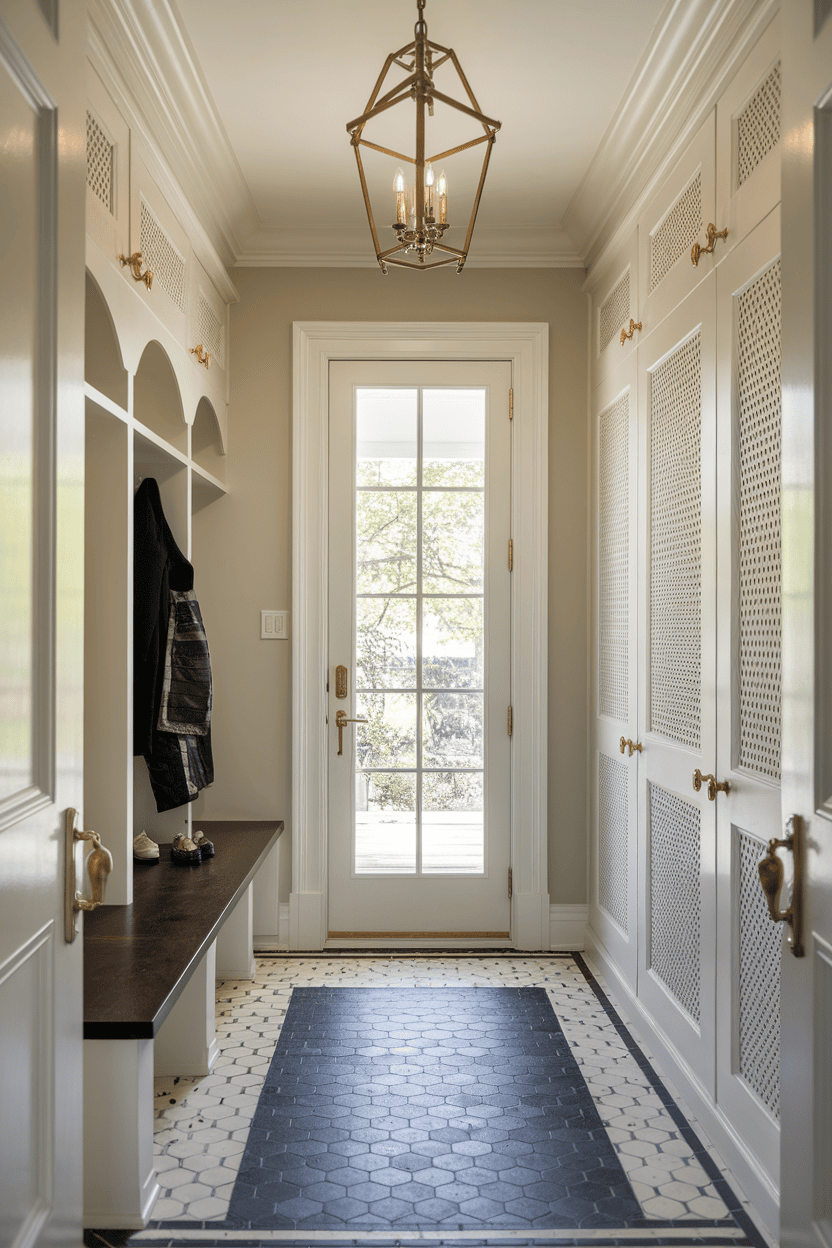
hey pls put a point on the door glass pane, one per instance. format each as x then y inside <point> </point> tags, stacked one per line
<point>386,643</point>
<point>386,542</point>
<point>452,822</point>
<point>454,437</point>
<point>452,730</point>
<point>385,823</point>
<point>452,542</point>
<point>452,643</point>
<point>386,437</point>
<point>420,512</point>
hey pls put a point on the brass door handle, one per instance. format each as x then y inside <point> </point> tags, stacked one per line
<point>713,786</point>
<point>770,870</point>
<point>697,251</point>
<point>341,719</point>
<point>633,745</point>
<point>99,865</point>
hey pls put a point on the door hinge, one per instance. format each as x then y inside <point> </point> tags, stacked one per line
<point>509,882</point>
<point>510,554</point>
<point>509,721</point>
<point>511,403</point>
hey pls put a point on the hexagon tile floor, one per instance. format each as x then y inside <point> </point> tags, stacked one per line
<point>431,1099</point>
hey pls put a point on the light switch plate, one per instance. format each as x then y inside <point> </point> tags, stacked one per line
<point>274,625</point>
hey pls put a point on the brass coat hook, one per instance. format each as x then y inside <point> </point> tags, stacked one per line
<point>697,250</point>
<point>770,869</point>
<point>135,262</point>
<point>625,334</point>
<point>713,786</point>
<point>203,356</point>
<point>99,865</point>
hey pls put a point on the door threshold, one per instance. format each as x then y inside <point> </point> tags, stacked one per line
<point>441,941</point>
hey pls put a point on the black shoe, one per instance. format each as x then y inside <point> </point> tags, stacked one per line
<point>184,850</point>
<point>205,847</point>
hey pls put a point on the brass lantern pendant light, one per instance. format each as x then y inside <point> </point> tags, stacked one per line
<point>421,224</point>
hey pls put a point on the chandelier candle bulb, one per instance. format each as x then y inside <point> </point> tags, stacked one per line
<point>442,189</point>
<point>401,198</point>
<point>430,178</point>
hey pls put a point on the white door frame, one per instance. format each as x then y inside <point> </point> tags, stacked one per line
<point>526,346</point>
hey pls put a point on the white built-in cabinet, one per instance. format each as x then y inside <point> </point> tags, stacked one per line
<point>686,605</point>
<point>152,409</point>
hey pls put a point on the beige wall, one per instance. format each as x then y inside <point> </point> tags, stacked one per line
<point>243,545</point>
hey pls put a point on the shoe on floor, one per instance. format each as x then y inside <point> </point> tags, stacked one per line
<point>206,848</point>
<point>184,850</point>
<point>144,849</point>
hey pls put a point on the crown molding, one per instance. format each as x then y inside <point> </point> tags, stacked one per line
<point>696,47</point>
<point>142,55</point>
<point>351,248</point>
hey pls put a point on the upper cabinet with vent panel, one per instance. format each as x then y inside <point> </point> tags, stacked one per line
<point>207,327</point>
<point>615,311</point>
<point>676,217</point>
<point>748,140</point>
<point>166,251</point>
<point>108,171</point>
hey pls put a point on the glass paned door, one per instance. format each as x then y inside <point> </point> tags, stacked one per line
<point>419,616</point>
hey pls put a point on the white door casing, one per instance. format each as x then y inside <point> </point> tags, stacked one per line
<point>397,902</point>
<point>525,346</point>
<point>41,633</point>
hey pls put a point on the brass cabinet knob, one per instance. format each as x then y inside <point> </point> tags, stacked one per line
<point>633,745</point>
<point>697,251</point>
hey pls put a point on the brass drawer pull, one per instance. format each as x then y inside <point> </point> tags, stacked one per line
<point>713,786</point>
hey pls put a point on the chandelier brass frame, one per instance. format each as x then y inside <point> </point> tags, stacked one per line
<point>422,235</point>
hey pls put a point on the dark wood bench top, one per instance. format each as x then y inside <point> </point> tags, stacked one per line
<point>138,958</point>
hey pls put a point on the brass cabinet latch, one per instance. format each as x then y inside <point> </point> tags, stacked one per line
<point>135,262</point>
<point>697,251</point>
<point>203,356</point>
<point>770,869</point>
<point>713,786</point>
<point>99,865</point>
<point>634,325</point>
<point>633,746</point>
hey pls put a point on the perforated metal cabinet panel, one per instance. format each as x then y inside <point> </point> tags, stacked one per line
<point>757,327</point>
<point>156,232</point>
<point>613,833</point>
<point>614,312</point>
<point>758,986</point>
<point>675,627</point>
<point>108,144</point>
<point>758,125</point>
<point>613,559</point>
<point>677,233</point>
<point>675,896</point>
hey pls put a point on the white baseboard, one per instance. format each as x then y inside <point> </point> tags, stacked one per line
<point>268,942</point>
<point>566,927</point>
<point>757,1185</point>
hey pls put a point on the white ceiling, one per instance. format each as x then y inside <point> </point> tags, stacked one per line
<point>286,76</point>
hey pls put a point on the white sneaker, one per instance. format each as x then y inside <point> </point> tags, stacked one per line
<point>143,848</point>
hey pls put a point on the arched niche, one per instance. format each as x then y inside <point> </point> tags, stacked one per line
<point>103,364</point>
<point>206,440</point>
<point>157,401</point>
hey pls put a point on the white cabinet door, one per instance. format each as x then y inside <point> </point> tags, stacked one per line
<point>614,305</point>
<point>614,787</point>
<point>676,216</point>
<point>748,664</point>
<point>748,142</point>
<point>677,706</point>
<point>42,621</point>
<point>108,172</point>
<point>166,251</point>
